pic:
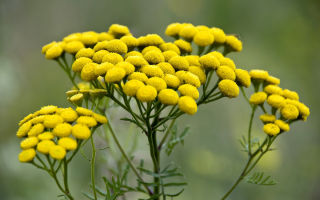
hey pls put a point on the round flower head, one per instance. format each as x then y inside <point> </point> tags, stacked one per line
<point>179,63</point>
<point>209,62</point>
<point>289,111</point>
<point>85,52</point>
<point>282,125</point>
<point>68,143</point>
<point>57,152</point>
<point>138,76</point>
<point>84,111</point>
<point>271,129</point>
<point>47,46</point>
<point>83,86</point>
<point>88,72</point>
<point>89,38</point>
<point>51,121</point>
<point>273,80</point>
<point>104,36</point>
<point>259,74</point>
<point>72,37</point>
<point>100,46</point>
<point>233,42</point>
<point>202,28</point>
<point>304,110</point>
<point>169,47</point>
<point>131,87</point>
<point>103,68</point>
<point>168,97</point>
<point>79,63</point>
<point>188,105</point>
<point>98,56</point>
<point>137,61</point>
<point>189,90</point>
<point>25,119</point>
<point>128,67</point>
<point>169,54</point>
<point>290,94</point>
<point>46,136</point>
<point>193,60</point>
<point>150,40</point>
<point>44,146</point>
<point>199,73</point>
<point>54,52</point>
<point>29,142</point>
<point>219,35</point>
<point>191,79</point>
<point>24,129</point>
<point>276,101</point>
<point>81,131</point>
<point>115,74</point>
<point>173,29</point>
<point>113,58</point>
<point>273,89</point>
<point>130,41</point>
<point>86,120</point>
<point>258,98</point>
<point>118,30</point>
<point>227,62</point>
<point>203,38</point>
<point>157,83</point>
<point>180,74</point>
<point>171,80</point>
<point>220,56</point>
<point>36,130</point>
<point>184,46</point>
<point>117,46</point>
<point>225,72</point>
<point>62,130</point>
<point>228,88</point>
<point>152,70</point>
<point>100,118</point>
<point>188,32</point>
<point>73,47</point>
<point>47,110</point>
<point>133,53</point>
<point>243,77</point>
<point>154,57</point>
<point>146,93</point>
<point>27,155</point>
<point>76,99</point>
<point>150,48</point>
<point>266,118</point>
<point>166,68</point>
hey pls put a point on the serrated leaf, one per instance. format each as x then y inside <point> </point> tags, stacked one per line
<point>259,178</point>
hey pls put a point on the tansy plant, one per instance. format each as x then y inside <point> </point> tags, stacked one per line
<point>154,82</point>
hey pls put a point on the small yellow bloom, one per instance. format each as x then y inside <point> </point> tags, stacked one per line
<point>24,129</point>
<point>57,152</point>
<point>133,53</point>
<point>271,129</point>
<point>47,46</point>
<point>172,80</point>
<point>259,74</point>
<point>150,48</point>
<point>276,101</point>
<point>38,119</point>
<point>188,105</point>
<point>289,111</point>
<point>72,37</point>
<point>36,130</point>
<point>47,110</point>
<point>228,88</point>
<point>84,111</point>
<point>46,136</point>
<point>304,110</point>
<point>258,98</point>
<point>103,68</point>
<point>85,52</point>
<point>225,72</point>
<point>219,35</point>
<point>228,62</point>
<point>113,58</point>
<point>117,46</point>
<point>29,142</point>
<point>203,38</point>
<point>191,79</point>
<point>130,41</point>
<point>157,83</point>
<point>88,72</point>
<point>243,77</point>
<point>100,46</point>
<point>73,47</point>
<point>234,43</point>
<point>89,38</point>
<point>27,155</point>
<point>173,29</point>
<point>209,62</point>
<point>105,36</point>
<point>154,57</point>
<point>62,130</point>
<point>128,67</point>
<point>86,120</point>
<point>273,80</point>
<point>118,30</point>
<point>170,47</point>
<point>219,55</point>
<point>202,28</point>
<point>25,119</point>
<point>168,97</point>
<point>179,63</point>
<point>150,40</point>
<point>199,73</point>
<point>180,74</point>
<point>169,54</point>
<point>79,63</point>
<point>76,99</point>
<point>138,76</point>
<point>131,87</point>
<point>152,70</point>
<point>146,93</point>
<point>184,46</point>
<point>54,52</point>
<point>81,131</point>
<point>100,118</point>
<point>115,74</point>
<point>166,68</point>
<point>98,56</point>
<point>68,143</point>
<point>44,146</point>
<point>137,61</point>
<point>189,90</point>
<point>267,118</point>
<point>188,32</point>
<point>290,94</point>
<point>282,125</point>
<point>193,60</point>
<point>51,121</point>
<point>273,89</point>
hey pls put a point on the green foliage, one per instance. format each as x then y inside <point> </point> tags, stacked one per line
<point>176,138</point>
<point>259,178</point>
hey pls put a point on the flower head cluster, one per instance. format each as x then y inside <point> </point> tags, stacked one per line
<point>55,131</point>
<point>151,69</point>
<point>285,105</point>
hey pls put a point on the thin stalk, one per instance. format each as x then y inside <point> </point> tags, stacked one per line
<point>166,134</point>
<point>92,168</point>
<point>65,176</point>
<point>250,128</point>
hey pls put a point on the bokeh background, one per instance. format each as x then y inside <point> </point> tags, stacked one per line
<point>279,36</point>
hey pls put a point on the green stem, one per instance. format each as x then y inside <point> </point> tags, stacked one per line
<point>250,128</point>
<point>93,167</point>
<point>166,134</point>
<point>65,175</point>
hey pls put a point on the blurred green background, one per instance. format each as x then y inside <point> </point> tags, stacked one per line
<point>282,37</point>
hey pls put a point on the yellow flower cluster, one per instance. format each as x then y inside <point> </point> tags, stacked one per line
<point>147,66</point>
<point>283,100</point>
<point>55,131</point>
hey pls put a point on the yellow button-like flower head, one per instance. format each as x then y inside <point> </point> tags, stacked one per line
<point>168,97</point>
<point>27,155</point>
<point>138,76</point>
<point>227,62</point>
<point>36,130</point>
<point>81,131</point>
<point>54,52</point>
<point>29,142</point>
<point>271,129</point>
<point>98,56</point>
<point>44,146</point>
<point>103,68</point>
<point>199,73</point>
<point>79,63</point>
<point>169,54</point>
<point>104,36</point>
<point>209,62</point>
<point>157,83</point>
<point>57,152</point>
<point>68,143</point>
<point>170,47</point>
<point>258,98</point>
<point>47,46</point>
<point>282,125</point>
<point>290,94</point>
<point>276,101</point>
<point>166,68</point>
<point>150,48</point>
<point>173,29</point>
<point>152,70</point>
<point>131,87</point>
<point>62,130</point>
<point>266,118</point>
<point>117,46</point>
<point>113,58</point>
<point>259,74</point>
<point>69,115</point>
<point>130,41</point>
<point>52,121</point>
<point>73,47</point>
<point>189,90</point>
<point>193,60</point>
<point>228,88</point>
<point>172,80</point>
<point>154,57</point>
<point>184,46</point>
<point>289,111</point>
<point>179,63</point>
<point>273,80</point>
<point>188,32</point>
<point>100,118</point>
<point>24,129</point>
<point>203,38</point>
<point>115,74</point>
<point>188,105</point>
<point>85,52</point>
<point>146,93</point>
<point>89,38</point>
<point>86,120</point>
<point>137,61</point>
<point>219,35</point>
<point>225,72</point>
<point>234,43</point>
<point>100,46</point>
<point>191,79</point>
<point>243,77</point>
<point>128,67</point>
<point>133,53</point>
<point>46,136</point>
<point>88,72</point>
<point>118,30</point>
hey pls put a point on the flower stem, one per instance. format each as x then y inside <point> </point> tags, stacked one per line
<point>92,168</point>
<point>166,134</point>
